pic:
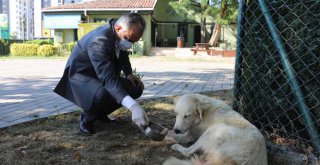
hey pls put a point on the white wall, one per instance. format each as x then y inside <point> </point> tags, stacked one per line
<point>29,20</point>
<point>37,19</point>
<point>54,2</point>
<point>14,18</point>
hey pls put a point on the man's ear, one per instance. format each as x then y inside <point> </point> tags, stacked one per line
<point>117,28</point>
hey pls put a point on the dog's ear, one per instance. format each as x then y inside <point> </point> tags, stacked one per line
<point>198,107</point>
<point>199,112</point>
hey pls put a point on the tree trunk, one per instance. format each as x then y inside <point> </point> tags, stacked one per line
<point>203,30</point>
<point>279,154</point>
<point>215,35</point>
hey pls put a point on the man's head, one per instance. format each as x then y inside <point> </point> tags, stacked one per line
<point>130,27</point>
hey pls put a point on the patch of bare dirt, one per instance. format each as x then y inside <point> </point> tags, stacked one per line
<point>56,140</point>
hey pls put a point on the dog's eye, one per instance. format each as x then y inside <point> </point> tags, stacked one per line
<point>185,116</point>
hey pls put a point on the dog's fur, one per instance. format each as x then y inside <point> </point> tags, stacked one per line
<point>221,134</point>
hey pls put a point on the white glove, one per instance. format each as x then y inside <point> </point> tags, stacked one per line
<point>139,116</point>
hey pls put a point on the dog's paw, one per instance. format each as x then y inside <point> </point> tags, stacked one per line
<point>177,147</point>
<point>181,149</point>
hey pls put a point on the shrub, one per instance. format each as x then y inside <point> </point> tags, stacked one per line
<point>70,46</point>
<point>46,50</point>
<point>4,47</point>
<point>40,42</point>
<point>24,49</point>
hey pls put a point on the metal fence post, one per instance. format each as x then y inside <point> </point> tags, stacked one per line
<point>240,31</point>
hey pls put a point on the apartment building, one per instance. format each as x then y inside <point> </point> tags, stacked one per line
<point>18,15</point>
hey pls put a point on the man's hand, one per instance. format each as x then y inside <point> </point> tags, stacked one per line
<point>139,116</point>
<point>135,81</point>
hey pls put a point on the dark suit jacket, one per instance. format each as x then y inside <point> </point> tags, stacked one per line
<point>92,64</point>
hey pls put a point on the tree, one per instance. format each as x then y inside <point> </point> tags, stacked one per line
<point>14,35</point>
<point>222,12</point>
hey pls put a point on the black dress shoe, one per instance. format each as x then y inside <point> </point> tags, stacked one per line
<point>86,127</point>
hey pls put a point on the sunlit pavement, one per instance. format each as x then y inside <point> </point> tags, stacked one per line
<point>26,84</point>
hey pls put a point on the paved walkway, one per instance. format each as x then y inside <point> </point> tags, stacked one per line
<point>26,85</point>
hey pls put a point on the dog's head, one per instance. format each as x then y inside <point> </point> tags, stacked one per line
<point>189,112</point>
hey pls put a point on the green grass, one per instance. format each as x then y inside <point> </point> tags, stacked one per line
<point>52,57</point>
<point>136,56</point>
<point>9,57</point>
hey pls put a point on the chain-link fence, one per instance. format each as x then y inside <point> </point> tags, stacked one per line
<point>277,81</point>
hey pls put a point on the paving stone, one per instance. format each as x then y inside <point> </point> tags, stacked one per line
<point>28,95</point>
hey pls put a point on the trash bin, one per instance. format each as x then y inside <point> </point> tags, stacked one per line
<point>179,42</point>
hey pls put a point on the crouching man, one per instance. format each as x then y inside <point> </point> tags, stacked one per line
<point>92,79</point>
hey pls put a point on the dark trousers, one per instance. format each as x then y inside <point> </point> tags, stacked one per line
<point>104,104</point>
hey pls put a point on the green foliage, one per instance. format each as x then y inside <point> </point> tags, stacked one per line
<point>3,47</point>
<point>14,35</point>
<point>24,49</point>
<point>32,50</point>
<point>70,46</point>
<point>46,50</point>
<point>40,42</point>
<point>59,50</point>
<point>222,12</point>
<point>134,72</point>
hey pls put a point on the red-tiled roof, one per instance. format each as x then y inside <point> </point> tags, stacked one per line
<point>107,4</point>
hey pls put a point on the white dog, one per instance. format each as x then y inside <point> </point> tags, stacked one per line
<point>222,136</point>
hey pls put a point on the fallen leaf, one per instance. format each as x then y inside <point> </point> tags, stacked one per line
<point>77,155</point>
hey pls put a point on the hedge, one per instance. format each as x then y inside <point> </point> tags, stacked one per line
<point>24,49</point>
<point>46,50</point>
<point>32,50</point>
<point>70,46</point>
<point>40,42</point>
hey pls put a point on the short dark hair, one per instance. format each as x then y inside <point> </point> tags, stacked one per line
<point>132,20</point>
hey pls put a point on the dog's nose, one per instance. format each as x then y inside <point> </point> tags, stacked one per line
<point>177,131</point>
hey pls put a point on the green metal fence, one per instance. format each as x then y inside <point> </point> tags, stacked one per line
<point>277,79</point>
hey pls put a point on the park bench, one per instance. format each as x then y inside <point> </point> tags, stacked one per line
<point>201,47</point>
<point>204,47</point>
